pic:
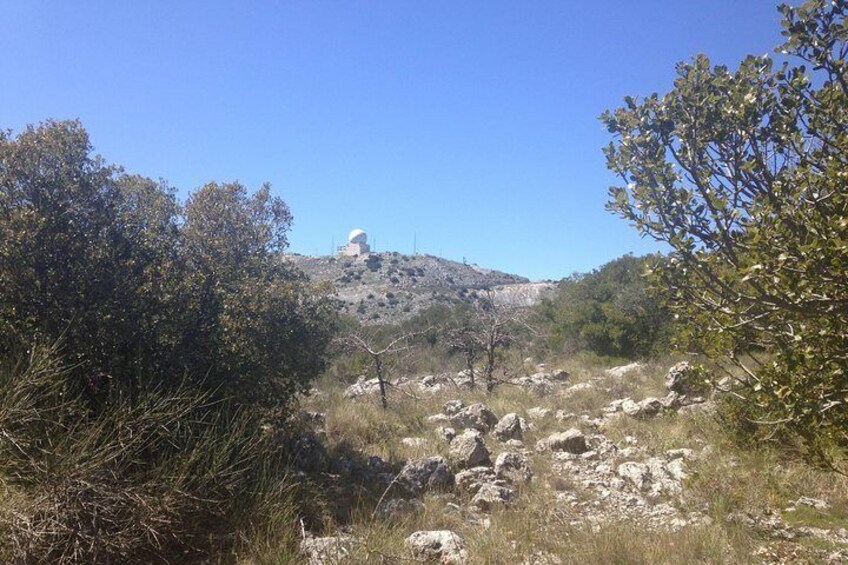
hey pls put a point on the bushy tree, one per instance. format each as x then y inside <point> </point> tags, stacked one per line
<point>744,174</point>
<point>258,326</point>
<point>143,292</point>
<point>609,311</point>
<point>80,247</point>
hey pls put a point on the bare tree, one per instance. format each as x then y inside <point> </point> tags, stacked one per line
<point>491,327</point>
<point>379,354</point>
<point>464,340</point>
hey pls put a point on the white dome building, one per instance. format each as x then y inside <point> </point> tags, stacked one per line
<point>357,244</point>
<point>357,236</point>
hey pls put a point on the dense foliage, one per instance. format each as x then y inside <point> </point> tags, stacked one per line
<point>138,288</point>
<point>143,346</point>
<point>744,173</point>
<point>609,311</point>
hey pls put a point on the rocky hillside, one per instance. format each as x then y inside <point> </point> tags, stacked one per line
<point>389,287</point>
<point>585,464</point>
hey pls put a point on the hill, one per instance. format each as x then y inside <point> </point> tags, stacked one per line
<point>391,286</point>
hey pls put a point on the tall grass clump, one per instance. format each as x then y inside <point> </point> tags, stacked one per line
<point>170,475</point>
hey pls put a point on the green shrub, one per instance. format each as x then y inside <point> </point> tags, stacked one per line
<point>143,292</point>
<point>183,332</point>
<point>608,311</point>
<point>742,173</point>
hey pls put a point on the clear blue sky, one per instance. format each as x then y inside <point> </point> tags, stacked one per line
<point>472,124</point>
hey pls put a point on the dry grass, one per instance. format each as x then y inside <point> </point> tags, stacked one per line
<point>169,476</point>
<point>535,527</point>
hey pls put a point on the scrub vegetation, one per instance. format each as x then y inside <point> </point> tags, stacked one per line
<point>174,389</point>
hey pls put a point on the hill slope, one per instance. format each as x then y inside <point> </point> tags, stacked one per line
<point>389,287</point>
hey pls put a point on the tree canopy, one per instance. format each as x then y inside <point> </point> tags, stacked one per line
<point>609,311</point>
<point>141,290</point>
<point>744,173</point>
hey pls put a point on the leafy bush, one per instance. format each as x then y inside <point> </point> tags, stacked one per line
<point>139,288</point>
<point>608,311</point>
<point>743,174</point>
<point>182,334</point>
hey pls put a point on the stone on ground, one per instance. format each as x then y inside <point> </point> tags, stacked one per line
<point>468,450</point>
<point>321,551</point>
<point>424,475</point>
<point>513,467</point>
<point>362,387</point>
<point>440,546</point>
<point>538,413</point>
<point>571,441</point>
<point>681,378</point>
<point>510,427</point>
<point>451,407</point>
<point>396,508</point>
<point>469,481</point>
<point>622,370</point>
<point>477,416</point>
<point>491,496</point>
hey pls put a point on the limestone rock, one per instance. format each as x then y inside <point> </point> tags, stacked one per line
<point>560,375</point>
<point>397,508</point>
<point>697,408</point>
<point>477,416</point>
<point>463,380</point>
<point>638,474</point>
<point>540,383</point>
<point>441,546</point>
<point>437,419</point>
<point>433,383</point>
<point>423,475</point>
<point>575,388</point>
<point>491,496</point>
<point>513,467</point>
<point>451,407</point>
<point>571,441</point>
<point>414,442</point>
<point>468,450</point>
<point>509,427</point>
<point>681,378</point>
<point>681,453</point>
<point>469,481</point>
<point>538,413</point>
<point>671,401</point>
<point>564,415</point>
<point>622,370</point>
<point>362,387</point>
<point>655,475</point>
<point>650,407</point>
<point>630,407</point>
<point>322,551</point>
<point>816,503</point>
<point>446,433</point>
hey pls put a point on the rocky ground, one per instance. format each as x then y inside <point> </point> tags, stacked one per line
<point>390,287</point>
<point>555,464</point>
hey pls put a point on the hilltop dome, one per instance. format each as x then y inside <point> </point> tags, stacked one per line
<point>357,236</point>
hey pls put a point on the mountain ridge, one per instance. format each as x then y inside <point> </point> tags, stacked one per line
<point>390,286</point>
